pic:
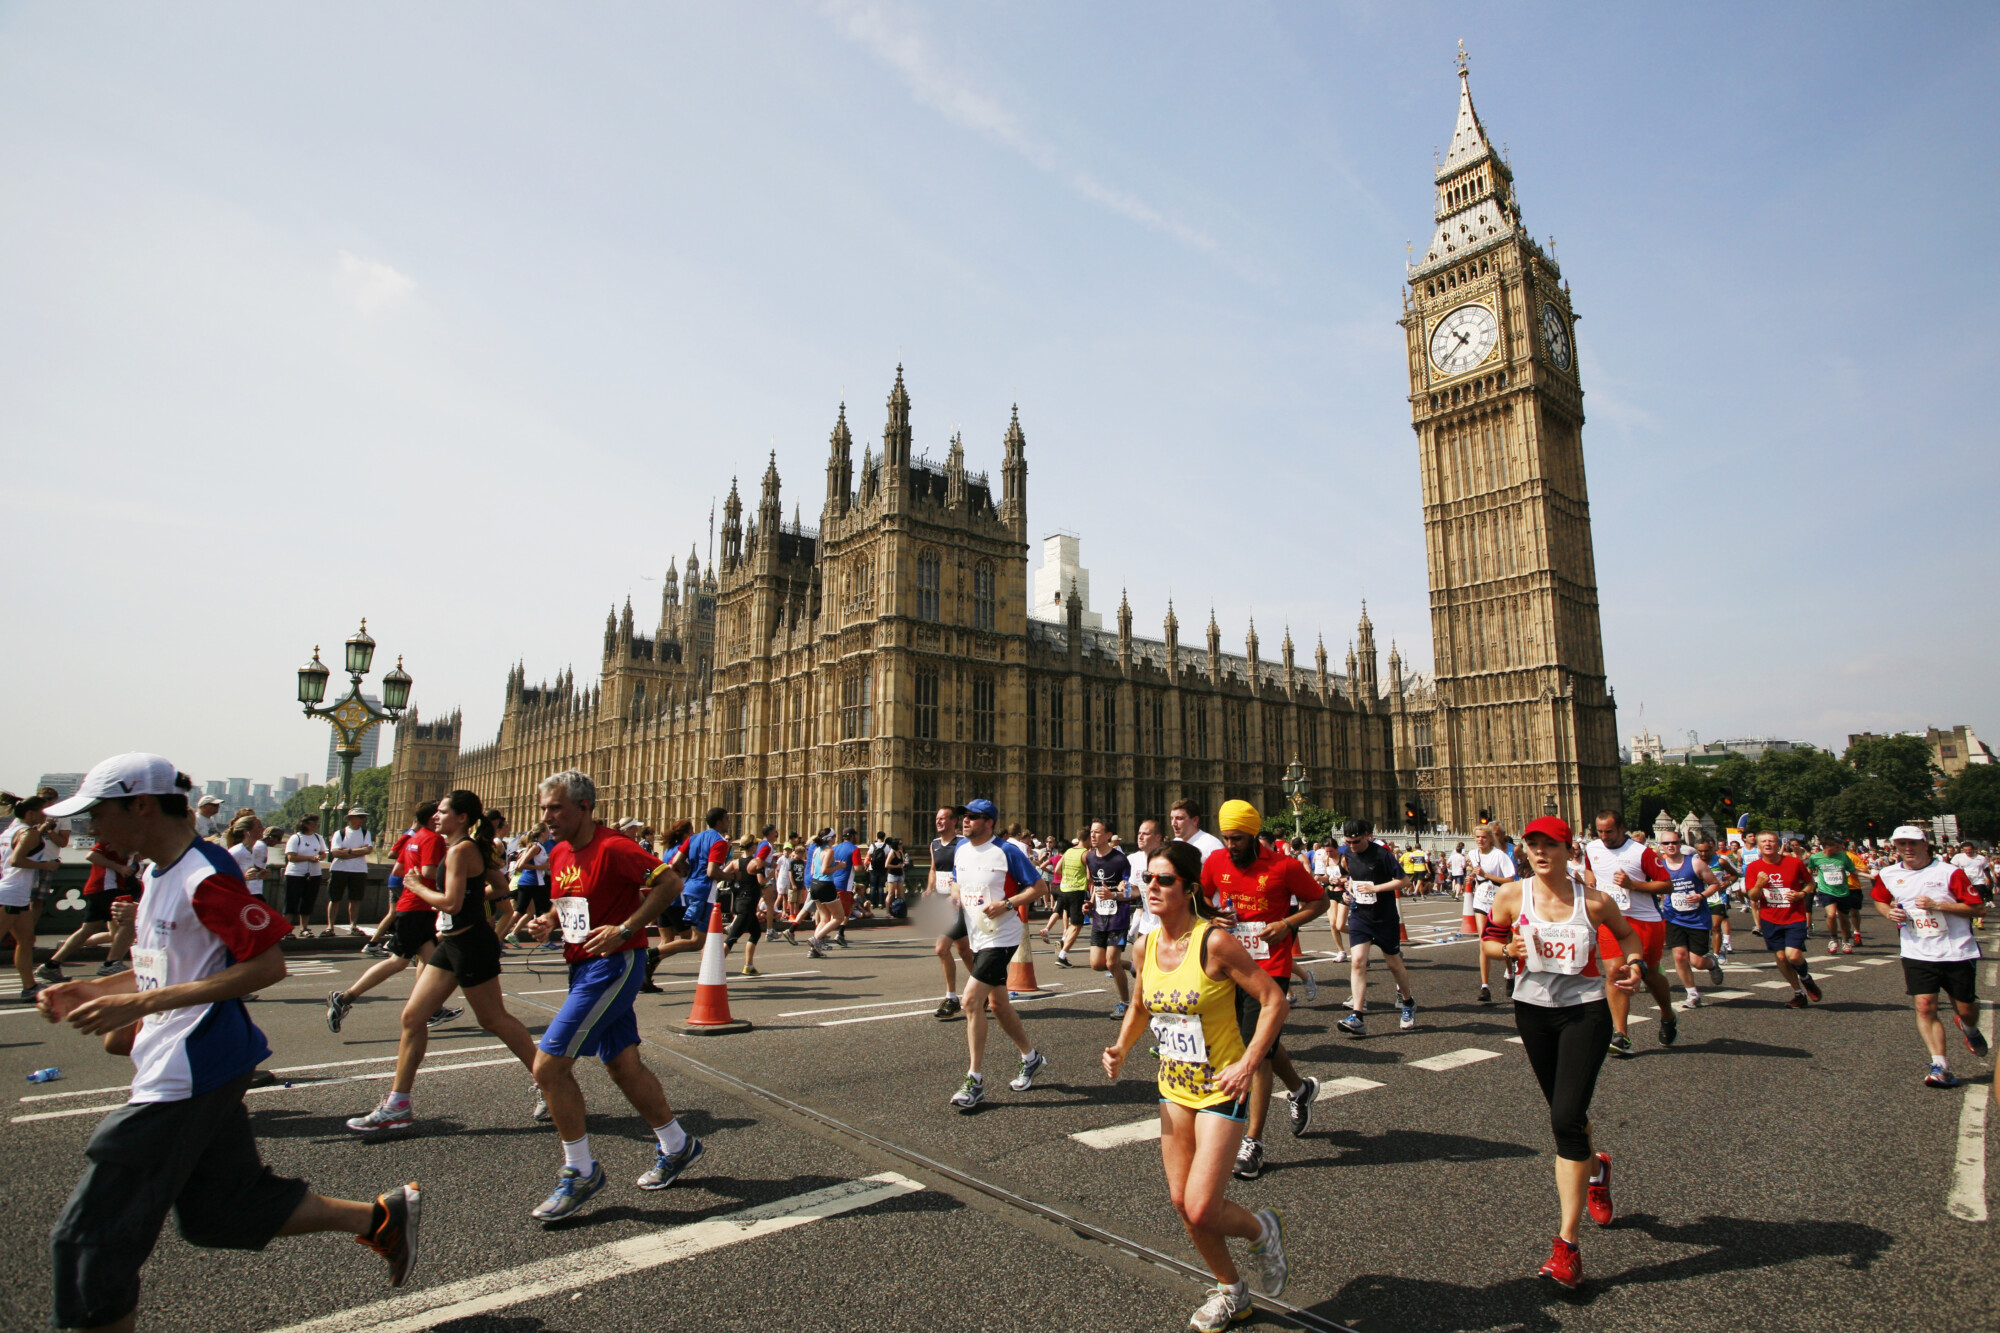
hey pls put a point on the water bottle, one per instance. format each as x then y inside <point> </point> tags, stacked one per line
<point>49,1075</point>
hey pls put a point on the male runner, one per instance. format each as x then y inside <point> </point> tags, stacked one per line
<point>1144,922</point>
<point>939,909</point>
<point>697,862</point>
<point>1110,874</point>
<point>182,1142</point>
<point>1253,888</point>
<point>840,869</point>
<point>1374,878</point>
<point>1686,912</point>
<point>991,882</point>
<point>1781,886</point>
<point>606,891</point>
<point>1631,875</point>
<point>1976,869</point>
<point>1726,874</point>
<point>1185,818</point>
<point>1072,874</point>
<point>1839,891</point>
<point>1932,903</point>
<point>1489,868</point>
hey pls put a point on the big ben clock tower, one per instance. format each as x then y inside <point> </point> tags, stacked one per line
<point>1522,715</point>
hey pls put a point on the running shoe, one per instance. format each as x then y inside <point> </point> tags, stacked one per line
<point>540,1111</point>
<point>1268,1269</point>
<point>1565,1264</point>
<point>395,1236</point>
<point>947,1008</point>
<point>1621,1045</point>
<point>383,1117</point>
<point>1940,1077</point>
<point>1312,985</point>
<point>1812,987</point>
<point>1062,958</point>
<point>1352,1025</point>
<point>814,951</point>
<point>791,937</point>
<point>1798,1001</point>
<point>1486,995</point>
<point>650,987</point>
<point>50,972</point>
<point>1857,937</point>
<point>1118,1009</point>
<point>1832,947</point>
<point>375,950</point>
<point>1670,1028</point>
<point>28,995</point>
<point>1340,955</point>
<point>667,1167</point>
<point>1715,970</point>
<point>444,1015</point>
<point>1222,1309</point>
<point>1302,1105</point>
<point>1249,1159</point>
<point>751,972</point>
<point>970,1093</point>
<point>113,969</point>
<point>1975,1040</point>
<point>1598,1198</point>
<point>1033,1063</point>
<point>1847,947</point>
<point>551,944</point>
<point>1693,1000</point>
<point>573,1190</point>
<point>841,940</point>
<point>1409,1015</point>
<point>337,1007</point>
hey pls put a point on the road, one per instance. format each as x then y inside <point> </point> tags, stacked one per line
<point>1775,1170</point>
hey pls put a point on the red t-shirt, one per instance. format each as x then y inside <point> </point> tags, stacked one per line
<point>1264,892</point>
<point>101,879</point>
<point>610,874</point>
<point>1789,873</point>
<point>424,850</point>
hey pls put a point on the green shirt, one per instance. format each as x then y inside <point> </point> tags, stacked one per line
<point>1075,873</point>
<point>1835,874</point>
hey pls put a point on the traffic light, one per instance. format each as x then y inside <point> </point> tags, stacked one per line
<point>1413,813</point>
<point>1486,816</point>
<point>1728,801</point>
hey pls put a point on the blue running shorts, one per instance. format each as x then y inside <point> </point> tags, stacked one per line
<point>597,1017</point>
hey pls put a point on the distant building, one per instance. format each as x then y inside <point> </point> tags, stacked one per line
<point>66,785</point>
<point>1646,746</point>
<point>371,742</point>
<point>260,797</point>
<point>1060,577</point>
<point>217,788</point>
<point>289,787</point>
<point>1953,750</point>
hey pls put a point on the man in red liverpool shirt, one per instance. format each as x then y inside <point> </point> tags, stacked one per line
<point>1255,888</point>
<point>1781,887</point>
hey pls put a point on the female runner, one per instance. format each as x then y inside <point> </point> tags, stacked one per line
<point>1549,921</point>
<point>467,955</point>
<point>1190,972</point>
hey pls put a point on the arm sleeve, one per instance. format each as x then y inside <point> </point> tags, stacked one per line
<point>1301,883</point>
<point>1961,889</point>
<point>1655,868</point>
<point>1880,893</point>
<point>634,860</point>
<point>243,923</point>
<point>1020,867</point>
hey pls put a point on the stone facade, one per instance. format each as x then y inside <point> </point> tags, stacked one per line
<point>861,672</point>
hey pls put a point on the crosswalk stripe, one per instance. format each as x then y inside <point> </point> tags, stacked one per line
<point>1773,985</point>
<point>1876,962</point>
<point>1727,995</point>
<point>1844,967</point>
<point>595,1266</point>
<point>1114,1136</point>
<point>1470,1055</point>
<point>1341,1087</point>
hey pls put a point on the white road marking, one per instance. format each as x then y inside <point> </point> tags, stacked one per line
<point>1876,962</point>
<point>1138,1131</point>
<point>603,1263</point>
<point>1773,985</point>
<point>1844,967</point>
<point>843,1008</point>
<point>926,1013</point>
<point>276,1087</point>
<point>1470,1055</point>
<point>1967,1200</point>
<point>17,1013</point>
<point>290,1069</point>
<point>1727,995</point>
<point>1341,1087</point>
<point>1517,1041</point>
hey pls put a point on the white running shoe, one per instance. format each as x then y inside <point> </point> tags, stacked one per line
<point>1222,1309</point>
<point>1033,1063</point>
<point>1268,1269</point>
<point>382,1117</point>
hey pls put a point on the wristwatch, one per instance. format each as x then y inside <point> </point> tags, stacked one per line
<point>625,932</point>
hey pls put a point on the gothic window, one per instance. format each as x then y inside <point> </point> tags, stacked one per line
<point>927,705</point>
<point>853,803</point>
<point>1056,702</point>
<point>798,718</point>
<point>1159,745</point>
<point>1199,709</point>
<point>1110,722</point>
<point>982,596</point>
<point>857,698</point>
<point>982,709</point>
<point>1034,713</point>
<point>1240,740</point>
<point>928,578</point>
<point>923,809</point>
<point>1309,739</point>
<point>1420,735</point>
<point>737,730</point>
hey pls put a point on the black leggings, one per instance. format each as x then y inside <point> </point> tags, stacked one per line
<point>746,923</point>
<point>1566,1047</point>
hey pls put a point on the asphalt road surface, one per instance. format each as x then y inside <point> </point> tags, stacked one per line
<point>1776,1170</point>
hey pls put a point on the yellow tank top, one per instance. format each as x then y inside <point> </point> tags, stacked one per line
<point>1189,990</point>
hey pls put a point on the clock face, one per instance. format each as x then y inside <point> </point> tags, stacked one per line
<point>1555,335</point>
<point>1463,339</point>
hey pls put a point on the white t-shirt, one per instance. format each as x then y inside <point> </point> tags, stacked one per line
<point>984,874</point>
<point>249,855</point>
<point>17,886</point>
<point>1495,862</point>
<point>1974,867</point>
<point>304,844</point>
<point>1204,842</point>
<point>348,839</point>
<point>1933,937</point>
<point>1630,857</point>
<point>1455,863</point>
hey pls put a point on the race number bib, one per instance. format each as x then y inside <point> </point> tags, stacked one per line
<point>574,915</point>
<point>972,899</point>
<point>443,922</point>
<point>1924,925</point>
<point>1180,1038</point>
<point>1250,934</point>
<point>149,968</point>
<point>1834,878</point>
<point>1560,947</point>
<point>1685,901</point>
<point>1482,897</point>
<point>1364,897</point>
<point>1617,893</point>
<point>1776,894</point>
<point>1106,907</point>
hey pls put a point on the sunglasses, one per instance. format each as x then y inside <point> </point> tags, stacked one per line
<point>1167,881</point>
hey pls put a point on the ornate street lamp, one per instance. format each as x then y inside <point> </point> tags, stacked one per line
<point>352,716</point>
<point>1296,786</point>
<point>1549,805</point>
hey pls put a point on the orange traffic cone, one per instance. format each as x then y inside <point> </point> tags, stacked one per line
<point>710,1015</point>
<point>1021,971</point>
<point>1471,922</point>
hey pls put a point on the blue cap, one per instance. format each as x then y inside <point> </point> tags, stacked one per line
<point>982,809</point>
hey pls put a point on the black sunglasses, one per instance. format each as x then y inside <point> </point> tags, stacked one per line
<point>1168,880</point>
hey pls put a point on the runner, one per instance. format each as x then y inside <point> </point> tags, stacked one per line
<point>990,883</point>
<point>607,890</point>
<point>699,861</point>
<point>531,883</point>
<point>28,854</point>
<point>1457,873</point>
<point>943,910</point>
<point>1686,913</point>
<point>1196,984</point>
<point>182,1142</point>
<point>1631,875</point>
<point>1144,848</point>
<point>894,866</point>
<point>1110,910</point>
<point>1932,903</point>
<point>378,938</point>
<point>1840,892</point>
<point>1781,886</point>
<point>347,880</point>
<point>1185,818</point>
<point>1374,878</point>
<point>414,934</point>
<point>1253,889</point>
<point>744,873</point>
<point>1489,868</point>
<point>112,874</point>
<point>1555,929</point>
<point>1334,877</point>
<point>466,956</point>
<point>1726,874</point>
<point>1975,866</point>
<point>840,869</point>
<point>1072,876</point>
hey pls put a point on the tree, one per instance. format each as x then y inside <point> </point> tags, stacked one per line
<point>1788,786</point>
<point>1869,807</point>
<point>1679,789</point>
<point>1316,822</point>
<point>371,790</point>
<point>1974,796</point>
<point>1904,762</point>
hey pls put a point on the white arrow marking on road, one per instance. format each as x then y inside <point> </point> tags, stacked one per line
<point>593,1267</point>
<point>1470,1055</point>
<point>1967,1201</point>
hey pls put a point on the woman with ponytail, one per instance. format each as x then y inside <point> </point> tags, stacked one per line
<point>467,956</point>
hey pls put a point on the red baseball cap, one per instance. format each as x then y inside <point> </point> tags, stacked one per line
<point>1548,826</point>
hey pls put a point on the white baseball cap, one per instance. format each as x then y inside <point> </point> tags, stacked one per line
<point>1910,832</point>
<point>119,776</point>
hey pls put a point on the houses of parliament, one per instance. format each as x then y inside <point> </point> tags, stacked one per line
<point>864,671</point>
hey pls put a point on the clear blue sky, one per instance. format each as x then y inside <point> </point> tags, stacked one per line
<point>457,316</point>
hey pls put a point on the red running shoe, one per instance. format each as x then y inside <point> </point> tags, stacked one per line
<point>1598,1200</point>
<point>1565,1264</point>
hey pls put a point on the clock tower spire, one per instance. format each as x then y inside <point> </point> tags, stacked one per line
<point>1522,713</point>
